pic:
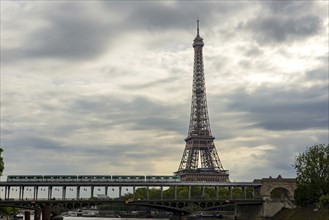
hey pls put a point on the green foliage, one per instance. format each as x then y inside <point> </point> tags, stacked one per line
<point>312,169</point>
<point>182,192</point>
<point>169,193</point>
<point>197,192</point>
<point>1,162</point>
<point>224,193</point>
<point>140,193</point>
<point>324,200</point>
<point>306,195</point>
<point>237,193</point>
<point>6,211</point>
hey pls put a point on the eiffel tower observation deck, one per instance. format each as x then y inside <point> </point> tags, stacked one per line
<point>200,161</point>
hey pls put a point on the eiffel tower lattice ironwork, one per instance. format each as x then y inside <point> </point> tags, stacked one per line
<point>200,161</point>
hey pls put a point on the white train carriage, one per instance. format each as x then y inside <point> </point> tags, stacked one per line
<point>24,178</point>
<point>128,178</point>
<point>162,178</point>
<point>94,178</point>
<point>59,178</point>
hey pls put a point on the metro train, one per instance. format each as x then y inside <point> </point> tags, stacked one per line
<point>91,178</point>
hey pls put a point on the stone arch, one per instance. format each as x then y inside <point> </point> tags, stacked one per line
<point>282,186</point>
<point>280,193</point>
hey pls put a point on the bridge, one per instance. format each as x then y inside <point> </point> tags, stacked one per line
<point>77,186</point>
<point>254,199</point>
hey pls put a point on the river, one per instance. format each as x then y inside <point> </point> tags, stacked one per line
<point>104,218</point>
<point>101,218</point>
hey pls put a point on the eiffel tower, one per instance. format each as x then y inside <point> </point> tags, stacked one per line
<point>200,161</point>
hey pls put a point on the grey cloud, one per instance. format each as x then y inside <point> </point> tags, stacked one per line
<point>289,146</point>
<point>279,109</point>
<point>74,33</point>
<point>32,141</point>
<point>139,113</point>
<point>71,37</point>
<point>161,123</point>
<point>69,33</point>
<point>49,156</point>
<point>155,83</point>
<point>94,113</point>
<point>277,29</point>
<point>318,74</point>
<point>157,16</point>
<point>288,7</point>
<point>253,52</point>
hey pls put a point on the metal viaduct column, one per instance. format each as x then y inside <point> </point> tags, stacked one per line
<point>217,192</point>
<point>245,191</point>
<point>147,193</point>
<point>21,193</point>
<point>134,189</point>
<point>120,190</point>
<point>78,192</point>
<point>36,189</point>
<point>189,192</point>
<point>50,192</point>
<point>175,195</point>
<point>161,196</point>
<point>203,192</point>
<point>231,191</point>
<point>92,188</point>
<point>64,192</point>
<point>106,190</point>
<point>7,192</point>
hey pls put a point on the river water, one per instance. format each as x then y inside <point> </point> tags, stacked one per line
<point>101,218</point>
<point>105,218</point>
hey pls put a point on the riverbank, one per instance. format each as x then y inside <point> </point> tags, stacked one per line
<point>302,214</point>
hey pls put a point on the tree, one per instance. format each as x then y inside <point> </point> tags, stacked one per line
<point>312,167</point>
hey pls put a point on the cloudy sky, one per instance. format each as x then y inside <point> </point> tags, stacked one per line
<point>104,87</point>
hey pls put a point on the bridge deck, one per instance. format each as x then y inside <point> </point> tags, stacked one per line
<point>132,184</point>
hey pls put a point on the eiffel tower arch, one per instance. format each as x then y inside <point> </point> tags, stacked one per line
<point>200,161</point>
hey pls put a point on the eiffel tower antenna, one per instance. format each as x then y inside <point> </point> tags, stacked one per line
<point>200,161</point>
<point>198,27</point>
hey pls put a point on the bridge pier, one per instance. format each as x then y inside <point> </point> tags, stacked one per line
<point>37,214</point>
<point>46,214</point>
<point>27,215</point>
